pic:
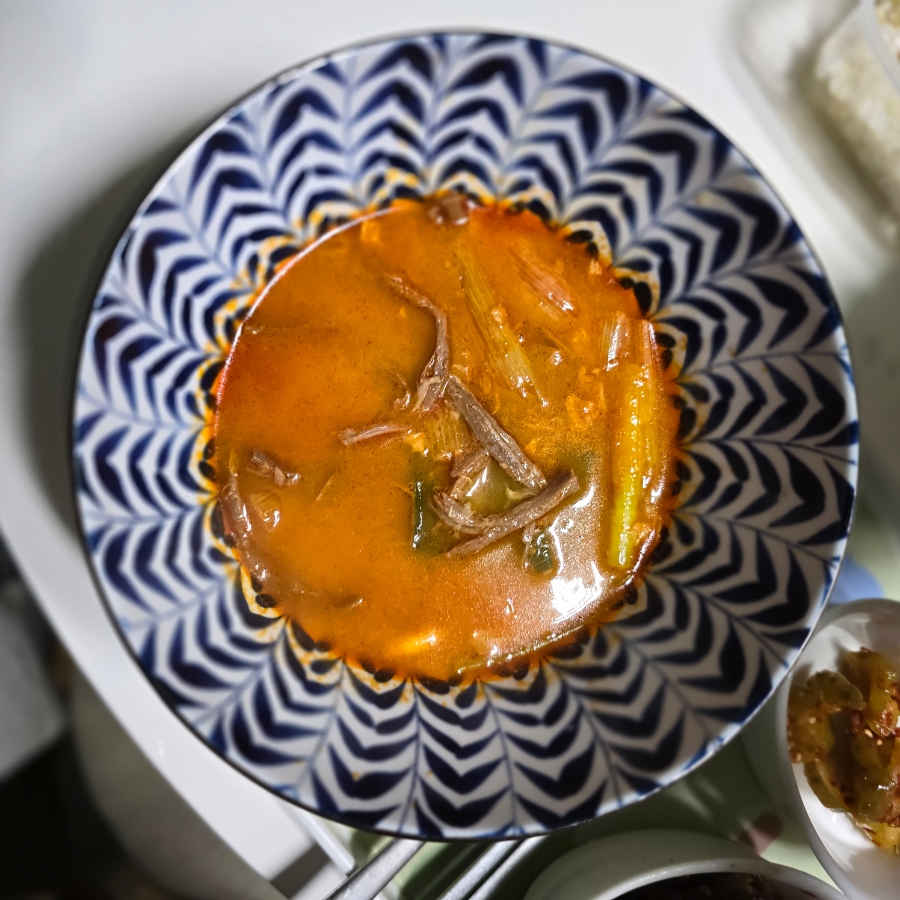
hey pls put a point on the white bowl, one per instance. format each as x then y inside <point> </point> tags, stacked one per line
<point>858,867</point>
<point>613,866</point>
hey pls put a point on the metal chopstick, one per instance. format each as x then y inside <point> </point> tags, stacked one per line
<point>481,869</point>
<point>476,883</point>
<point>521,851</point>
<point>367,882</point>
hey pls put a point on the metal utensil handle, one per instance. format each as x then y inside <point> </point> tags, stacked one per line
<point>479,871</point>
<point>522,850</point>
<point>367,882</point>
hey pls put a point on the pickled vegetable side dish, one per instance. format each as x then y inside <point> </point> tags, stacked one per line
<point>845,729</point>
<point>445,441</point>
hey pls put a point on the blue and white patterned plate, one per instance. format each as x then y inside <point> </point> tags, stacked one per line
<point>768,430</point>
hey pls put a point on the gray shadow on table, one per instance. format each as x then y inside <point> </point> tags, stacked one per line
<point>54,297</point>
<point>873,324</point>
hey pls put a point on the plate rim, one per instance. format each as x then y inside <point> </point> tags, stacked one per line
<point>117,234</point>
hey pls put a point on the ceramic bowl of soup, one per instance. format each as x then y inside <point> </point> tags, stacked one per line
<point>464,436</point>
<point>662,864</point>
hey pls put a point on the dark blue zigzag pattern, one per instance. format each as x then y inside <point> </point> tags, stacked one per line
<point>768,428</point>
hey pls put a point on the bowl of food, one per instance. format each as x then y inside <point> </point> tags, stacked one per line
<point>464,436</point>
<point>662,864</point>
<point>827,748</point>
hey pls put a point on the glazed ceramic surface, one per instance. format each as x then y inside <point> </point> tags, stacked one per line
<point>614,866</point>
<point>768,432</point>
<point>859,868</point>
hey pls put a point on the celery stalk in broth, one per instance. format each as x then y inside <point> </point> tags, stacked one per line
<point>505,353</point>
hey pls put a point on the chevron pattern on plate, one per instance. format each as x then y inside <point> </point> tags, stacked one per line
<point>768,432</point>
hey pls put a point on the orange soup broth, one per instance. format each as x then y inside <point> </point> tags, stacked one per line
<point>331,346</point>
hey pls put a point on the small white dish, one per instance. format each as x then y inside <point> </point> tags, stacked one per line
<point>857,866</point>
<point>613,866</point>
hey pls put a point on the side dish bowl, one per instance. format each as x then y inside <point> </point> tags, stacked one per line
<point>768,434</point>
<point>857,866</point>
<point>614,866</point>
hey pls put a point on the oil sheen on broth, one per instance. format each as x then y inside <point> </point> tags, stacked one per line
<point>445,441</point>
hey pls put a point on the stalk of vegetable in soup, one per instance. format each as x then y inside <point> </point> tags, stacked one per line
<point>445,441</point>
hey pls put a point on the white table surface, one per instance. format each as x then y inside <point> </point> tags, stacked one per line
<point>95,95</point>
